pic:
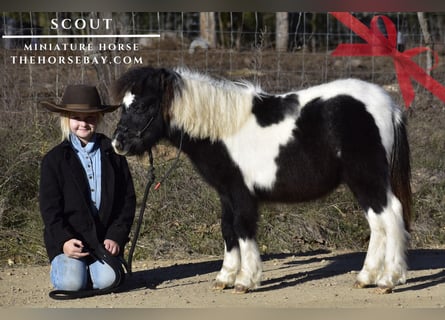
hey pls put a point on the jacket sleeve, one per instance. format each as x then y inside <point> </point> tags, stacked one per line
<point>51,202</point>
<point>124,205</point>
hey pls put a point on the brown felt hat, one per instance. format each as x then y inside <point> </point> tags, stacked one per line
<point>79,98</point>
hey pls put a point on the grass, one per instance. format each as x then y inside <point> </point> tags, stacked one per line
<point>182,217</point>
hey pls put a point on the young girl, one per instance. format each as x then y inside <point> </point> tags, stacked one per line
<point>86,195</point>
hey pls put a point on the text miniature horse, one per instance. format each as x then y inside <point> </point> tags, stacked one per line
<point>253,146</point>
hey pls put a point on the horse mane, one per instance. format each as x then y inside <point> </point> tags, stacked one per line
<point>207,107</point>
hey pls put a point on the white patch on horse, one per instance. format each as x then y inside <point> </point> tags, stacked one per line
<point>254,149</point>
<point>376,100</point>
<point>128,99</point>
<point>230,268</point>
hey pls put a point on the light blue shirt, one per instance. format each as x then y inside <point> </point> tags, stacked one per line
<point>89,156</point>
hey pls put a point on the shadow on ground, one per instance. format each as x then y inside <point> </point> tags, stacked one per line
<point>423,259</point>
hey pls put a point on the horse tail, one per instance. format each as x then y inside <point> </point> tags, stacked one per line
<point>400,168</point>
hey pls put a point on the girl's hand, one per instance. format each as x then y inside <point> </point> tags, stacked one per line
<point>112,247</point>
<point>73,249</point>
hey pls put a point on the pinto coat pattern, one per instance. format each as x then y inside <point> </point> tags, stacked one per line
<point>254,146</point>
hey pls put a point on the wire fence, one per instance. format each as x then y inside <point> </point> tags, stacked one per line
<point>243,45</point>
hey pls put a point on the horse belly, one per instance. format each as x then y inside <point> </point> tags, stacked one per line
<point>305,185</point>
<point>304,172</point>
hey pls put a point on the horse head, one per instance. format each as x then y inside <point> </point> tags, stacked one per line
<point>145,94</point>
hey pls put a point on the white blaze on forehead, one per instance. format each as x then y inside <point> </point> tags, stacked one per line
<point>128,99</point>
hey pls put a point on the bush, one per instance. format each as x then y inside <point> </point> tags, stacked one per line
<point>21,148</point>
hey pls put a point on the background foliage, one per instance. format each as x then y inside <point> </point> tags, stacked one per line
<point>182,218</point>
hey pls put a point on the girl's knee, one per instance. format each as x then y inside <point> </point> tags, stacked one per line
<point>102,275</point>
<point>68,273</point>
<point>103,281</point>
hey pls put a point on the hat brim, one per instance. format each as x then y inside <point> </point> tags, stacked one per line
<point>78,108</point>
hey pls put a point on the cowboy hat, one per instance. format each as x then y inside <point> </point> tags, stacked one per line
<point>79,98</point>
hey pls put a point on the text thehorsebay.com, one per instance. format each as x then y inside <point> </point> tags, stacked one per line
<point>77,53</point>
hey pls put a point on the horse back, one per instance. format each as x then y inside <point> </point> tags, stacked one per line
<point>298,149</point>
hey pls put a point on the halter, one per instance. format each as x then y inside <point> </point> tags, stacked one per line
<point>138,133</point>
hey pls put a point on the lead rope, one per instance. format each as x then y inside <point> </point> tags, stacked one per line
<point>151,179</point>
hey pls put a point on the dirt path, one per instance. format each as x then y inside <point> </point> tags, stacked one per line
<point>314,280</point>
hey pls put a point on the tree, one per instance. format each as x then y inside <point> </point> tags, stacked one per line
<point>428,40</point>
<point>282,31</point>
<point>207,27</point>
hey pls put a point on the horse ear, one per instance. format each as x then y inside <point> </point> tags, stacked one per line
<point>166,79</point>
<point>167,85</point>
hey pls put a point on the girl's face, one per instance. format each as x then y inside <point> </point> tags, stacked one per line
<point>83,125</point>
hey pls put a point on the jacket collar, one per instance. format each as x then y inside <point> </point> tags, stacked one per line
<point>105,143</point>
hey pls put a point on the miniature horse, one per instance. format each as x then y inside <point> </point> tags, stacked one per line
<point>254,146</point>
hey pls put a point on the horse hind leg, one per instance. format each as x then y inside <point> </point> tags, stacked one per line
<point>394,270</point>
<point>385,262</point>
<point>372,267</point>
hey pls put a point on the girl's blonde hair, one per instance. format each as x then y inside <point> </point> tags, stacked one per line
<point>65,124</point>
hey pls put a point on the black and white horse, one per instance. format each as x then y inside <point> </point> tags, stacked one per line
<point>254,146</point>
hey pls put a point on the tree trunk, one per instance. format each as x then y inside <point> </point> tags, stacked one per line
<point>428,40</point>
<point>282,31</point>
<point>207,28</point>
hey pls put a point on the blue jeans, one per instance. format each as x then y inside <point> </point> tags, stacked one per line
<point>72,274</point>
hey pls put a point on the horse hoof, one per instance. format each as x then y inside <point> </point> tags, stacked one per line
<point>219,286</point>
<point>359,285</point>
<point>239,288</point>
<point>383,290</point>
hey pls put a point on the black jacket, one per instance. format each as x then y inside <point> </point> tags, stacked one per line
<point>65,202</point>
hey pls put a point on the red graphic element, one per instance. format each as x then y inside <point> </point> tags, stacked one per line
<point>380,45</point>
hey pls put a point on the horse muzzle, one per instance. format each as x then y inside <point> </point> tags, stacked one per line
<point>118,146</point>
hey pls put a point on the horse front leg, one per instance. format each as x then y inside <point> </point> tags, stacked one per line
<point>241,267</point>
<point>230,268</point>
<point>245,226</point>
<point>249,276</point>
<point>232,259</point>
<point>242,262</point>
